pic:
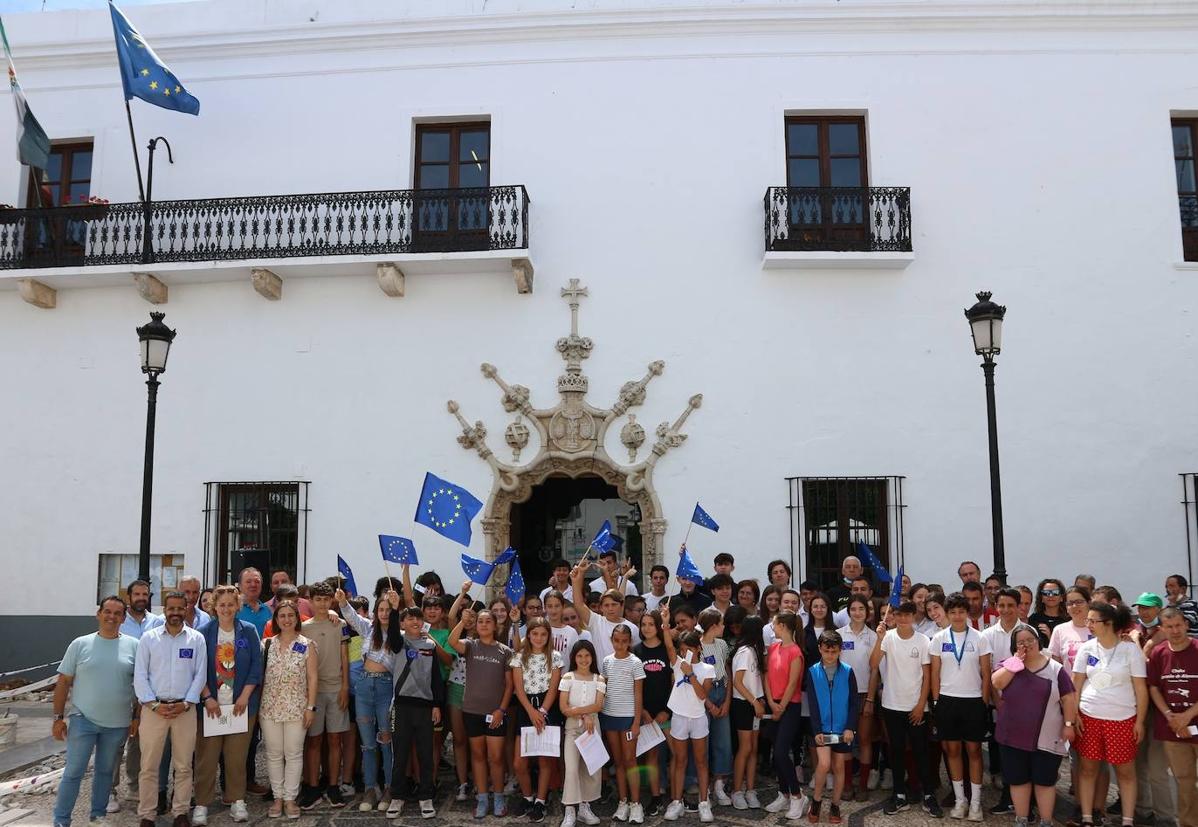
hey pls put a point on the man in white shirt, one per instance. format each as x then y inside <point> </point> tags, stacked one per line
<point>170,670</point>
<point>901,653</point>
<point>659,578</point>
<point>600,624</point>
<point>961,691</point>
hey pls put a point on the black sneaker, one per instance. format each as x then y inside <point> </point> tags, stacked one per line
<point>895,804</point>
<point>308,798</point>
<point>655,807</point>
<point>333,794</point>
<point>1116,809</point>
<point>932,807</point>
<point>536,811</point>
<point>1002,808</point>
<point>518,806</point>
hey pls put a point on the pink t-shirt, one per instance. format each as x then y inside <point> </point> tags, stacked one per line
<point>778,662</point>
<point>1065,640</point>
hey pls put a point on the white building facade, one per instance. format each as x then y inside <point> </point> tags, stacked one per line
<point>787,204</point>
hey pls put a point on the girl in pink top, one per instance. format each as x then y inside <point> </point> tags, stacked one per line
<point>1068,636</point>
<point>784,695</point>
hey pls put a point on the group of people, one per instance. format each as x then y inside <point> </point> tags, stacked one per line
<point>689,696</point>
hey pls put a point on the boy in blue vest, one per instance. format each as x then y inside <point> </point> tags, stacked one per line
<point>832,698</point>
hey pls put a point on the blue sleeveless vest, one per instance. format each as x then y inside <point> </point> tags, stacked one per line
<point>833,705</point>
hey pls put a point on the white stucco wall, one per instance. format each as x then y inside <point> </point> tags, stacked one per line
<point>1034,137</point>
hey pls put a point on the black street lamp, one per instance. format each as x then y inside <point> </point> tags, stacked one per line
<point>985,323</point>
<point>156,341</point>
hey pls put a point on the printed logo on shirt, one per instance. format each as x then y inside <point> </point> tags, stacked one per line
<point>1092,661</point>
<point>655,666</point>
<point>345,631</point>
<point>299,647</point>
<point>413,653</point>
<point>240,643</point>
<point>947,647</point>
<point>709,659</point>
<point>848,646</point>
<point>185,653</point>
<point>914,651</point>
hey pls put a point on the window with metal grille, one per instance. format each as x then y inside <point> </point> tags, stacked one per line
<point>453,174</point>
<point>831,516</point>
<point>1185,160</point>
<point>259,524</point>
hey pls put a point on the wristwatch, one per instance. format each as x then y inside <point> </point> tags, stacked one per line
<point>310,708</point>
<point>1069,724</point>
<point>58,716</point>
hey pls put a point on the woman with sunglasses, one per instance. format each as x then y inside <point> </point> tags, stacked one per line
<point>1110,676</point>
<point>1050,608</point>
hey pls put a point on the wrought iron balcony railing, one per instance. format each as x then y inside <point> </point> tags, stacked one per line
<point>1189,226</point>
<point>857,219</point>
<point>272,226</point>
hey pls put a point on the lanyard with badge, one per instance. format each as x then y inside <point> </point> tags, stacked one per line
<point>958,651</point>
<point>1103,679</point>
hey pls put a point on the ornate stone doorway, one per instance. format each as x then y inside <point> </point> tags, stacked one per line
<point>570,443</point>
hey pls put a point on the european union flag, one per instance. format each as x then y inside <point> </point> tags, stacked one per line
<point>142,74</point>
<point>398,550</point>
<point>345,571</point>
<point>896,590</point>
<point>515,583</point>
<point>687,569</point>
<point>701,517</point>
<point>508,555</point>
<point>447,509</point>
<point>479,571</point>
<point>604,541</point>
<point>870,559</point>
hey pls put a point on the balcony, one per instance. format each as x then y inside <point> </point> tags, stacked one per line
<point>837,227</point>
<point>1189,226</point>
<point>471,230</point>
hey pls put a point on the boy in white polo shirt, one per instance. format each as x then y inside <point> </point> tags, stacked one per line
<point>960,692</point>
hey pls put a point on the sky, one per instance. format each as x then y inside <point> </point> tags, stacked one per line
<point>10,6</point>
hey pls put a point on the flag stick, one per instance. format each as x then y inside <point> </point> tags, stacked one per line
<point>687,536</point>
<point>141,191</point>
<point>390,578</point>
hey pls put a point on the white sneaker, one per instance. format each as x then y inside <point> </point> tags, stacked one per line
<point>238,811</point>
<point>975,811</point>
<point>705,814</point>
<point>738,801</point>
<point>395,808</point>
<point>114,804</point>
<point>721,797</point>
<point>636,813</point>
<point>585,815</point>
<point>463,792</point>
<point>958,810</point>
<point>199,816</point>
<point>874,778</point>
<point>887,780</point>
<point>568,818</point>
<point>798,807</point>
<point>778,804</point>
<point>752,800</point>
<point>427,810</point>
<point>675,809</point>
<point>621,813</point>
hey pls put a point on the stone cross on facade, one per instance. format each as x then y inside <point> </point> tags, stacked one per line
<point>572,293</point>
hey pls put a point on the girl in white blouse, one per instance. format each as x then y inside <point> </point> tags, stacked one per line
<point>580,696</point>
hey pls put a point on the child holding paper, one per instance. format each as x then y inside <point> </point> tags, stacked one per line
<point>692,684</point>
<point>536,673</point>
<point>620,720</point>
<point>832,697</point>
<point>580,697</point>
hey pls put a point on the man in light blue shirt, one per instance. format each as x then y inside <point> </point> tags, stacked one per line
<point>196,617</point>
<point>170,671</point>
<point>253,610</point>
<point>138,617</point>
<point>97,673</point>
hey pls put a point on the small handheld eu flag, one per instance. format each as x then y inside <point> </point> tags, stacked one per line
<point>507,556</point>
<point>479,571</point>
<point>702,518</point>
<point>515,583</point>
<point>447,509</point>
<point>143,75</point>
<point>896,590</point>
<point>398,550</point>
<point>687,569</point>
<point>345,571</point>
<point>604,541</point>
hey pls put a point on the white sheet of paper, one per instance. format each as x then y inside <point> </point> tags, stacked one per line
<point>651,735</point>
<point>226,723</point>
<point>590,747</point>
<point>547,743</point>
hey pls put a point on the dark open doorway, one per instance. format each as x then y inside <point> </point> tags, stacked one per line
<point>560,519</point>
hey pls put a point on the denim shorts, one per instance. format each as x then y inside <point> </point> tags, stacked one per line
<point>614,723</point>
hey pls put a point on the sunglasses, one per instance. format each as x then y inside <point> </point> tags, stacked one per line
<point>1075,603</point>
<point>1050,592</point>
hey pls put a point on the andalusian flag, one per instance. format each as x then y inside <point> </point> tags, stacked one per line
<point>33,145</point>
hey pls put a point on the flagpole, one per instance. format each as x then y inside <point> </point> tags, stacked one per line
<point>141,190</point>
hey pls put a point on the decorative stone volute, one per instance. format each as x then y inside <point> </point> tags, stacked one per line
<point>571,436</point>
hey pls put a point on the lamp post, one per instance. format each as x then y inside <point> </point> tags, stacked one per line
<point>155,339</point>
<point>985,324</point>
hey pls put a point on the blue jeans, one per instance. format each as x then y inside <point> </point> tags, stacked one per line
<point>372,700</point>
<point>719,739</point>
<point>82,738</point>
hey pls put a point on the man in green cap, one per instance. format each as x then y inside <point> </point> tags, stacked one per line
<point>1154,788</point>
<point>1148,608</point>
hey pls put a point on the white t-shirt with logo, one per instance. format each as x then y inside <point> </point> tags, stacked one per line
<point>960,678</point>
<point>902,666</point>
<point>746,659</point>
<point>1108,692</point>
<point>855,650</point>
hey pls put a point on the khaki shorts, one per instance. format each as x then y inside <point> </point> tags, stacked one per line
<point>328,716</point>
